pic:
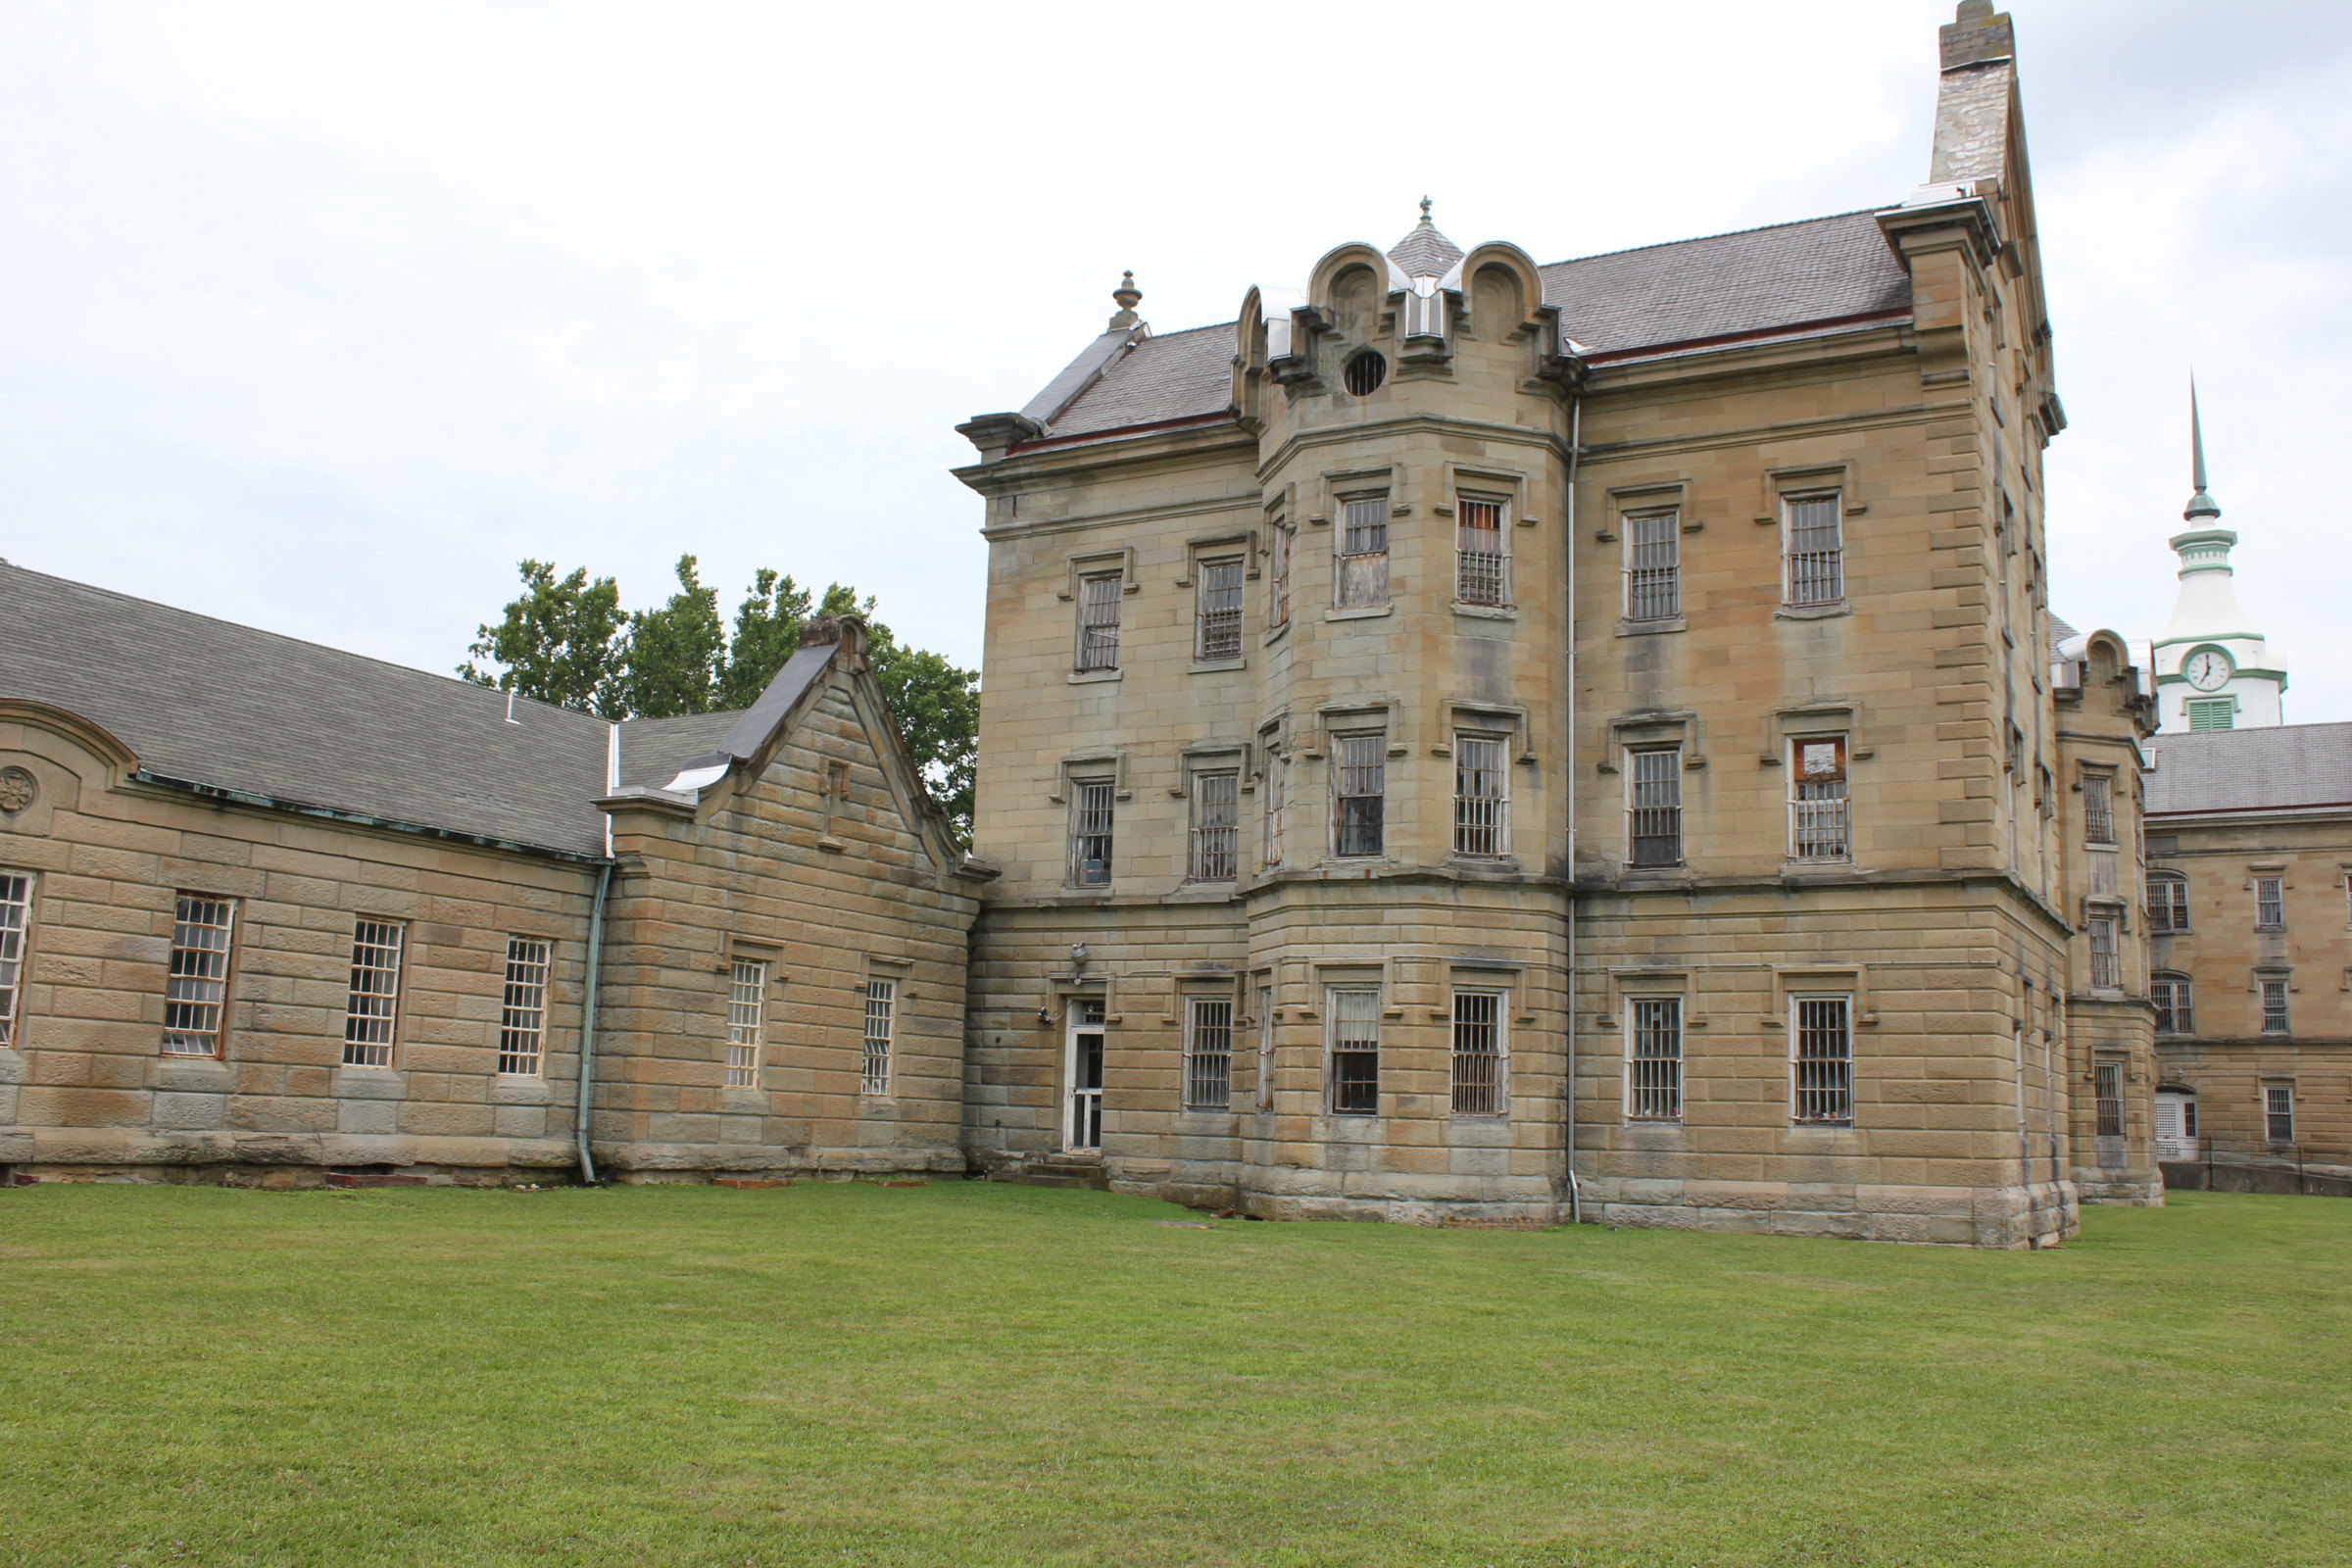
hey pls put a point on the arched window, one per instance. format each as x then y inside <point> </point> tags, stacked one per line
<point>2168,902</point>
<point>2176,1008</point>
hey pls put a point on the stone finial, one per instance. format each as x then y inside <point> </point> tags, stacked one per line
<point>1127,296</point>
<point>821,631</point>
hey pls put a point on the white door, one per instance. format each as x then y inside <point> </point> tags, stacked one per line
<point>2176,1125</point>
<point>1082,1111</point>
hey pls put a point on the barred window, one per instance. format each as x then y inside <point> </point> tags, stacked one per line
<point>746,1008</point>
<point>2278,1112</point>
<point>1653,1084</point>
<point>1482,570</point>
<point>1363,576</point>
<point>1265,1046</point>
<point>2168,902</point>
<point>1355,1052</point>
<point>196,993</point>
<point>1654,805</point>
<point>1218,610</point>
<point>1208,1053</point>
<point>2106,969</point>
<point>2274,1008</point>
<point>1816,549</point>
<point>1216,826</point>
<point>881,1014</point>
<point>1099,620</point>
<point>2176,1008</point>
<point>2270,902</point>
<point>522,1017</point>
<point>1480,795</point>
<point>2098,810</point>
<point>2110,1098</point>
<point>1360,781</point>
<point>16,914</point>
<point>1825,1057</point>
<point>1477,1054</point>
<point>1820,824</point>
<point>1278,783</point>
<point>1654,566</point>
<point>374,1004</point>
<point>1278,593</point>
<point>1090,806</point>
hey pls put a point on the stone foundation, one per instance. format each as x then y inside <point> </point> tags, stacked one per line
<point>2009,1218</point>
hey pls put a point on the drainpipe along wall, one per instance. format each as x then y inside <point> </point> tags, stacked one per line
<point>596,953</point>
<point>1576,448</point>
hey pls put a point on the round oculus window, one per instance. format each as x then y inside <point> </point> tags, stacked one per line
<point>1364,373</point>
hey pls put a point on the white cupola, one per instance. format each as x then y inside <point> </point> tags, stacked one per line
<point>2213,670</point>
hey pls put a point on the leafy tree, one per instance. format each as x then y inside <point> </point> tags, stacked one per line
<point>767,632</point>
<point>562,642</point>
<point>675,653</point>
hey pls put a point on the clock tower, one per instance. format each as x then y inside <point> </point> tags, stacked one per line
<point>2212,668</point>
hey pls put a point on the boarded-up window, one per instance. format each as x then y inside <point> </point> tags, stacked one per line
<point>1363,575</point>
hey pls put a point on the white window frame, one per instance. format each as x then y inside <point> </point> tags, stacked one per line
<point>1351,1007</point>
<point>522,1010</point>
<point>204,928</point>
<point>1653,1077</point>
<point>1482,1051</point>
<point>1215,850</point>
<point>1482,795</point>
<point>1217,610</point>
<point>1361,546</point>
<point>1208,1052</point>
<point>1349,765</point>
<point>1094,820</point>
<point>1482,579</point>
<point>1652,802</point>
<point>747,1022</point>
<point>877,1032</point>
<point>1099,599</point>
<point>1812,578</point>
<point>2169,915</point>
<point>1654,565</point>
<point>372,1009</point>
<point>2270,898</point>
<point>2179,1002</point>
<point>2275,1017</point>
<point>2278,1101</point>
<point>15,930</point>
<point>1834,1084</point>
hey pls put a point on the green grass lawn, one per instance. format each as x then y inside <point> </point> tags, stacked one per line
<point>984,1374</point>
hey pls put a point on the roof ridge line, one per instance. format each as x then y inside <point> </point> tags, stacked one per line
<point>1728,234</point>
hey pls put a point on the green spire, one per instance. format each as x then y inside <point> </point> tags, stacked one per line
<point>2200,505</point>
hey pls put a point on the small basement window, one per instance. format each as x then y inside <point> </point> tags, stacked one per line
<point>1364,373</point>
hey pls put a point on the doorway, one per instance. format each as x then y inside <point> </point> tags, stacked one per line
<point>1082,1116</point>
<point>2175,1124</point>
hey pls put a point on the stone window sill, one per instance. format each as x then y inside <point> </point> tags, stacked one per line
<point>1813,611</point>
<point>1087,677</point>
<point>1276,634</point>
<point>1217,666</point>
<point>1486,611</point>
<point>1361,612</point>
<point>1651,628</point>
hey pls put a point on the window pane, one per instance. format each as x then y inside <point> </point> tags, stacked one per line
<point>1220,609</point>
<point>1480,563</point>
<point>1824,1060</point>
<point>2110,1099</point>
<point>1278,612</point>
<point>1278,769</point>
<point>1653,588</point>
<point>1362,787</point>
<point>1655,807</point>
<point>1654,1065</point>
<point>2278,1112</point>
<point>1477,1054</point>
<point>195,993</point>
<point>1090,806</point>
<point>374,994</point>
<point>1216,826</point>
<point>2269,900</point>
<point>1816,550</point>
<point>881,1003</point>
<point>747,1001</point>
<point>2105,970</point>
<point>2274,1008</point>
<point>2098,810</point>
<point>1355,1052</point>
<point>1098,621</point>
<point>1364,576</point>
<point>522,1019</point>
<point>1479,781</point>
<point>16,914</point>
<point>1208,1055</point>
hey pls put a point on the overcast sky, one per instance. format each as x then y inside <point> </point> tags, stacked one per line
<point>321,316</point>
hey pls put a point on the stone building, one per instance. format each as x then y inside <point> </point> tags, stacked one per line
<point>273,911</point>
<point>1477,738</point>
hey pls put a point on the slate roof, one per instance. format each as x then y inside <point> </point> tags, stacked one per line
<point>207,702</point>
<point>1787,278</point>
<point>2251,769</point>
<point>1424,253</point>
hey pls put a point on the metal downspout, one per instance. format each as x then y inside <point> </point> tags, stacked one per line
<point>596,955</point>
<point>1576,447</point>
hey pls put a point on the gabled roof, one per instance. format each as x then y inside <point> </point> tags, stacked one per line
<point>2241,771</point>
<point>1784,280</point>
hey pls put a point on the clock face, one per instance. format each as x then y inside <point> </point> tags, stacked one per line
<point>2208,669</point>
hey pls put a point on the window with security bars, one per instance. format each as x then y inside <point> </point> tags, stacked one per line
<point>1091,808</point>
<point>1478,1055</point>
<point>1099,620</point>
<point>2270,902</point>
<point>1355,1052</point>
<point>881,1014</point>
<point>2098,810</point>
<point>196,992</point>
<point>1363,575</point>
<point>1208,1053</point>
<point>1361,786</point>
<point>1816,549</point>
<point>1265,1046</point>
<point>1480,795</point>
<point>1482,570</point>
<point>2167,904</point>
<point>1278,783</point>
<point>2106,968</point>
<point>1277,592</point>
<point>1654,805</point>
<point>2212,712</point>
<point>522,1016</point>
<point>1217,610</point>
<point>1819,823</point>
<point>1653,1085</point>
<point>2278,1112</point>
<point>2109,1098</point>
<point>368,1019</point>
<point>1216,826</point>
<point>2274,1008</point>
<point>2176,1007</point>
<point>747,1013</point>
<point>16,916</point>
<point>1824,1058</point>
<point>1654,566</point>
